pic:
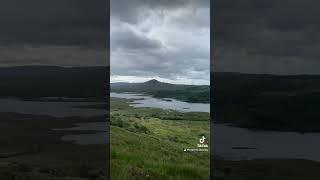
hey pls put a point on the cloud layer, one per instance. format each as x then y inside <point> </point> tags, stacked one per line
<point>44,26</point>
<point>276,37</point>
<point>160,39</point>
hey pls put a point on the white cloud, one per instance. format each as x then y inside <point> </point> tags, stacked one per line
<point>170,43</point>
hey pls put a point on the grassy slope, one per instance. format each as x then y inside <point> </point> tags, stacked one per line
<point>145,146</point>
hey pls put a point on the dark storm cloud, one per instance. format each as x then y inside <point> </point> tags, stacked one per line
<point>129,11</point>
<point>58,22</point>
<point>160,39</point>
<point>267,36</point>
<point>53,32</point>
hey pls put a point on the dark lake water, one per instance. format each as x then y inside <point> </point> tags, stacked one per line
<point>97,134</point>
<point>56,109</point>
<point>229,142</point>
<point>235,143</point>
<point>101,136</point>
<point>140,100</point>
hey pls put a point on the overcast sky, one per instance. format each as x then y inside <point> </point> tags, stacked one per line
<point>53,32</point>
<point>272,36</point>
<point>164,39</point>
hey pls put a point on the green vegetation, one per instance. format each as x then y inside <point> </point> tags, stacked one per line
<point>275,169</point>
<point>187,93</point>
<point>269,102</point>
<point>30,149</point>
<point>148,143</point>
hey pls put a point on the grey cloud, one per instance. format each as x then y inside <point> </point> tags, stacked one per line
<point>52,55</point>
<point>169,65</point>
<point>129,40</point>
<point>130,11</point>
<point>59,22</point>
<point>272,33</point>
<point>59,32</point>
<point>165,39</point>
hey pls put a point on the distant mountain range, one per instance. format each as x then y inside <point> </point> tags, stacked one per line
<point>53,81</point>
<point>188,93</point>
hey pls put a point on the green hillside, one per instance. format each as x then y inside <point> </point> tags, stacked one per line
<point>148,143</point>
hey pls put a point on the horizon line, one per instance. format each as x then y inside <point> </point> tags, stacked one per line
<point>160,82</point>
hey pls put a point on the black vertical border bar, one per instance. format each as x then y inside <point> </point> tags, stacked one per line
<point>212,35</point>
<point>108,87</point>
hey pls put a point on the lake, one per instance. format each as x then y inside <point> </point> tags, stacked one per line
<point>140,100</point>
<point>231,143</point>
<point>235,143</point>
<point>98,134</point>
<point>101,136</point>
